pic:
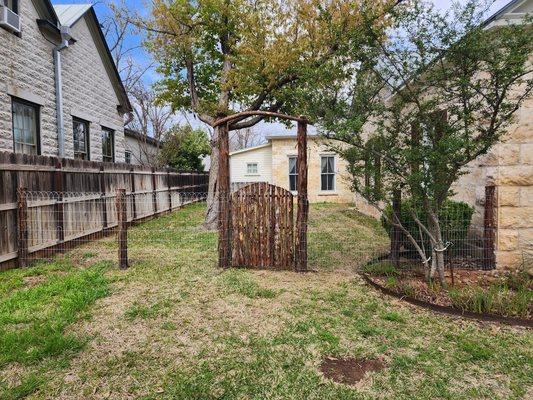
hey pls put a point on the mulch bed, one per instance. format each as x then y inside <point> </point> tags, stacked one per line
<point>349,370</point>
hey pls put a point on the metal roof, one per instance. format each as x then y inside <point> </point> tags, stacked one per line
<point>69,14</point>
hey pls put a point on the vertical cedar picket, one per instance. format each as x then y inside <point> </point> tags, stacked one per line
<point>103,194</point>
<point>489,228</point>
<point>169,191</point>
<point>395,231</point>
<point>303,203</point>
<point>122,227</point>
<point>57,187</point>
<point>224,237</point>
<point>154,190</point>
<point>133,199</point>
<point>22,227</point>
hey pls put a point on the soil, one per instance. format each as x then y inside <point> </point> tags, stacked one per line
<point>350,370</point>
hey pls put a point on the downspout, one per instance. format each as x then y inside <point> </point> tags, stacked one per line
<point>65,37</point>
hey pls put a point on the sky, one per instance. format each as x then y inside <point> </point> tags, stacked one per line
<point>151,76</point>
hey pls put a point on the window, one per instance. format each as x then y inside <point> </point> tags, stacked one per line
<point>127,157</point>
<point>25,127</point>
<point>13,5</point>
<point>81,139</point>
<point>327,173</point>
<point>293,174</point>
<point>251,168</point>
<point>108,145</point>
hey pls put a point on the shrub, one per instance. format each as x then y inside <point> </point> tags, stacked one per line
<point>454,218</point>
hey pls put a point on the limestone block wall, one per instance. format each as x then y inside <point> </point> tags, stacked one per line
<point>27,72</point>
<point>88,93</point>
<point>508,166</point>
<point>282,149</point>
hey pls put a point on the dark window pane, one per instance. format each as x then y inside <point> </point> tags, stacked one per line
<point>323,182</point>
<point>25,127</point>
<point>330,164</point>
<point>330,181</point>
<point>292,182</point>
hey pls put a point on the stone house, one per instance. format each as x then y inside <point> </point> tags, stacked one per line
<point>275,162</point>
<point>60,91</point>
<point>140,149</point>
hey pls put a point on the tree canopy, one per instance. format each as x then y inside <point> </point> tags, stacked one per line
<point>184,148</point>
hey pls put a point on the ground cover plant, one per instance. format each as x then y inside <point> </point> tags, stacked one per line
<point>507,293</point>
<point>174,327</point>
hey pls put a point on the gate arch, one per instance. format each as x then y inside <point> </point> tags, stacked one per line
<point>262,227</point>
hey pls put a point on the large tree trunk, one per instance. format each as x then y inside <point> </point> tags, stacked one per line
<point>211,215</point>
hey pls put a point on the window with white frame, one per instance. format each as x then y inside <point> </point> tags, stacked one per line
<point>108,145</point>
<point>293,174</point>
<point>13,5</point>
<point>327,173</point>
<point>251,168</point>
<point>25,127</point>
<point>81,139</point>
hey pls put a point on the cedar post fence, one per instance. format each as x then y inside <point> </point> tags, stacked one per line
<point>222,127</point>
<point>303,202</point>
<point>489,228</point>
<point>395,231</point>
<point>22,227</point>
<point>224,195</point>
<point>122,228</point>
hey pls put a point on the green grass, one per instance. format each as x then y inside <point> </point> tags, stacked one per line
<point>34,317</point>
<point>175,327</point>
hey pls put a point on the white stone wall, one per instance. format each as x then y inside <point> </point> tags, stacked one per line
<point>27,71</point>
<point>88,93</point>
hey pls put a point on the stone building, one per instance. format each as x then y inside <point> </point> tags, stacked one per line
<point>60,91</point>
<point>140,149</point>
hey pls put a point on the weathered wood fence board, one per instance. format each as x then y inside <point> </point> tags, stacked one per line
<point>262,227</point>
<point>54,218</point>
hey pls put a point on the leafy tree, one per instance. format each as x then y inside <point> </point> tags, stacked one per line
<point>219,57</point>
<point>184,147</point>
<point>440,93</point>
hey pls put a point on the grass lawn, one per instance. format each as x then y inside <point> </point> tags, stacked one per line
<point>174,327</point>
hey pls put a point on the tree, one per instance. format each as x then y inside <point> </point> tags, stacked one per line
<point>244,138</point>
<point>219,57</point>
<point>149,118</point>
<point>440,93</point>
<point>184,148</point>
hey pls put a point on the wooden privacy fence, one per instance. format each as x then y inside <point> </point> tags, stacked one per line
<point>262,227</point>
<point>66,199</point>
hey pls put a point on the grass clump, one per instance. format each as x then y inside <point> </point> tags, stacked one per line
<point>380,269</point>
<point>240,282</point>
<point>496,299</point>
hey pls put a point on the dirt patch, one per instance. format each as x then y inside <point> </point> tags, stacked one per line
<point>349,370</point>
<point>33,280</point>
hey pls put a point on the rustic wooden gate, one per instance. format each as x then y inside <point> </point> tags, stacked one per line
<point>262,227</point>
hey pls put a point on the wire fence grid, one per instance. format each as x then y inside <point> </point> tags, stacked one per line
<point>261,231</point>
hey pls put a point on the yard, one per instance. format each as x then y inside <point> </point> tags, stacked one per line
<point>175,327</point>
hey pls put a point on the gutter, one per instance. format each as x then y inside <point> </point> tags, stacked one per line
<point>65,37</point>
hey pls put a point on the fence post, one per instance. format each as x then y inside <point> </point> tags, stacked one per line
<point>133,198</point>
<point>122,225</point>
<point>103,194</point>
<point>22,226</point>
<point>395,231</point>
<point>224,225</point>
<point>57,186</point>
<point>303,203</point>
<point>169,191</point>
<point>489,232</point>
<point>154,193</point>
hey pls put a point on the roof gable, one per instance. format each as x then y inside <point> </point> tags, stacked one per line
<point>69,15</point>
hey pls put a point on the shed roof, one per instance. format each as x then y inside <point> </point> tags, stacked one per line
<point>69,14</point>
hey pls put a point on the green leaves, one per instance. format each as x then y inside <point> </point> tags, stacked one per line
<point>184,147</point>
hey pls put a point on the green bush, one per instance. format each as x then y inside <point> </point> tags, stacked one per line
<point>454,218</point>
